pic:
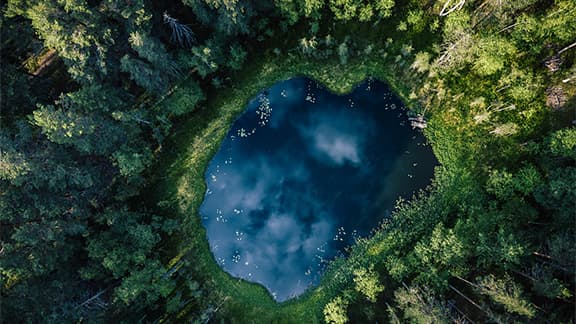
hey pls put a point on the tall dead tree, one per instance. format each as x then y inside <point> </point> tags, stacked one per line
<point>448,8</point>
<point>181,34</point>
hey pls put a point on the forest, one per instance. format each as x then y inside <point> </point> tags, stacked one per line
<point>111,109</point>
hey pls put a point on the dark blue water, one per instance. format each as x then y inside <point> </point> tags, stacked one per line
<point>302,174</point>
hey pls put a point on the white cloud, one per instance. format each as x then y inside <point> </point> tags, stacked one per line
<point>337,137</point>
<point>339,148</point>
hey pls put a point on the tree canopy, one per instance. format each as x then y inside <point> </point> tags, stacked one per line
<point>97,225</point>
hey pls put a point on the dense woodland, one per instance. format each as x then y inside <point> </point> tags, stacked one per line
<point>93,94</point>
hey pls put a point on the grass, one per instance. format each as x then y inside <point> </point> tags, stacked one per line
<point>182,187</point>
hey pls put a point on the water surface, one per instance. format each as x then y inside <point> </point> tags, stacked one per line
<point>302,173</point>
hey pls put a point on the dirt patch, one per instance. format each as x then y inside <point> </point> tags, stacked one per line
<point>553,63</point>
<point>555,97</point>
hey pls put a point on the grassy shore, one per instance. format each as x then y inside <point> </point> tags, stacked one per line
<point>196,140</point>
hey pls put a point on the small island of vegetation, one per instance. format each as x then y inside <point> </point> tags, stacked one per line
<point>112,109</point>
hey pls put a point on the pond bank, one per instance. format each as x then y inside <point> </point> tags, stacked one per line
<point>197,139</point>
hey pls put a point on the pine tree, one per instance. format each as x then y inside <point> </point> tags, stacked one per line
<point>506,293</point>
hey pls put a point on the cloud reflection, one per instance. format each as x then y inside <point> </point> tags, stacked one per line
<point>335,138</point>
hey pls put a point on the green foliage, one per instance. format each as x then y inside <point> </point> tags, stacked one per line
<point>144,285</point>
<point>144,74</point>
<point>294,10</point>
<point>13,164</point>
<point>130,162</point>
<point>421,62</point>
<point>559,193</point>
<point>491,55</point>
<point>563,143</point>
<point>416,20</point>
<point>204,59</point>
<point>335,311</point>
<point>443,250</point>
<point>231,17</point>
<point>502,200</point>
<point>506,293</point>
<point>343,53</point>
<point>384,7</point>
<point>546,285</point>
<point>59,126</point>
<point>420,306</point>
<point>237,57</point>
<point>522,86</point>
<point>80,37</point>
<point>15,91</point>
<point>87,133</point>
<point>154,52</point>
<point>183,102</point>
<point>110,247</point>
<point>527,180</point>
<point>361,10</point>
<point>557,24</point>
<point>367,283</point>
<point>345,9</point>
<point>504,184</point>
<point>562,248</point>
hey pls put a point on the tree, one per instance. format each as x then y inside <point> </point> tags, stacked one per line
<point>44,210</point>
<point>563,143</point>
<point>132,162</point>
<point>125,250</point>
<point>87,133</point>
<point>181,34</point>
<point>237,57</point>
<point>522,86</point>
<point>205,59</point>
<point>294,10</point>
<point>154,69</point>
<point>154,52</point>
<point>442,253</point>
<point>145,75</point>
<point>416,20</point>
<point>231,17</point>
<point>78,33</point>
<point>421,62</point>
<point>181,102</point>
<point>13,164</point>
<point>145,285</point>
<point>561,247</point>
<point>559,194</point>
<point>384,7</point>
<point>504,184</point>
<point>362,10</point>
<point>491,54</point>
<point>15,92</point>
<point>345,9</point>
<point>335,311</point>
<point>544,283</point>
<point>420,306</point>
<point>367,283</point>
<point>124,246</point>
<point>503,248</point>
<point>506,293</point>
<point>458,42</point>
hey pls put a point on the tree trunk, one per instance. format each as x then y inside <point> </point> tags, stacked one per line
<point>566,48</point>
<point>468,299</point>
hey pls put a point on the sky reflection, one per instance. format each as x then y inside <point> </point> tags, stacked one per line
<point>301,174</point>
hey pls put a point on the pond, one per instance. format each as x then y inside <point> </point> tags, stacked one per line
<point>302,173</point>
